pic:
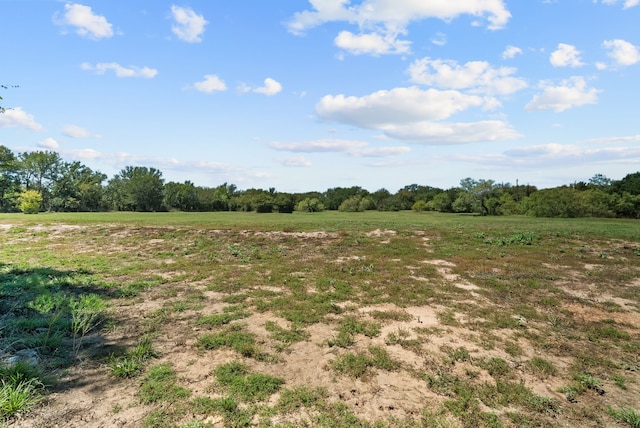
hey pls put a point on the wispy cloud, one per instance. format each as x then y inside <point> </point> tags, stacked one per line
<point>120,71</point>
<point>75,131</point>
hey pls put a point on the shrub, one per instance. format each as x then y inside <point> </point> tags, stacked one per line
<point>29,201</point>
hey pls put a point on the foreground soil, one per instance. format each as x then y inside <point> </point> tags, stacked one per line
<point>540,333</point>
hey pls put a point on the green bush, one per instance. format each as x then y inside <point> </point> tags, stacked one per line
<point>29,201</point>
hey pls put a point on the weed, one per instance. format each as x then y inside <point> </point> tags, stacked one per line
<point>349,327</point>
<point>85,314</point>
<point>541,367</point>
<point>287,336</point>
<point>18,395</point>
<point>131,364</point>
<point>159,386</point>
<point>391,315</point>
<point>360,365</point>
<point>217,320</point>
<point>246,386</point>
<point>629,416</point>
<point>232,337</point>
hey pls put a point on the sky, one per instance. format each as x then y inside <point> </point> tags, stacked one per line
<point>306,95</point>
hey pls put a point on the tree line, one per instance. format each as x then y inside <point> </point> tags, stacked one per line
<point>39,181</point>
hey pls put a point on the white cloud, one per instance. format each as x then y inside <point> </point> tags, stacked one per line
<point>120,71</point>
<point>477,76</point>
<point>570,93</point>
<point>566,56</point>
<point>413,114</point>
<point>86,23</point>
<point>381,21</point>
<point>438,133</point>
<point>211,83</point>
<point>397,13</point>
<point>372,43</point>
<point>320,146</point>
<point>626,4</point>
<point>440,39</point>
<point>189,26</point>
<point>399,105</point>
<point>610,140</point>
<point>623,52</point>
<point>18,118</point>
<point>295,162</point>
<point>510,52</point>
<point>350,147</point>
<point>271,87</point>
<point>75,131</point>
<point>558,154</point>
<point>49,143</point>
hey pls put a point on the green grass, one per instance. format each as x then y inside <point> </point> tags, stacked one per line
<point>159,385</point>
<point>629,416</point>
<point>244,385</point>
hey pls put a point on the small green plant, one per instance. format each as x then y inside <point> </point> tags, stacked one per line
<point>19,395</point>
<point>541,367</point>
<point>159,386</point>
<point>131,364</point>
<point>287,336</point>
<point>627,415</point>
<point>246,386</point>
<point>232,337</point>
<point>360,365</point>
<point>85,314</point>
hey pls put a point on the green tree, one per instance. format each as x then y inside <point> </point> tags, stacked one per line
<point>9,183</point>
<point>136,189</point>
<point>311,205</point>
<point>39,171</point>
<point>180,196</point>
<point>30,201</point>
<point>78,188</point>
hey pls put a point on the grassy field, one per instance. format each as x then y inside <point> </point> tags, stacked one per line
<point>327,319</point>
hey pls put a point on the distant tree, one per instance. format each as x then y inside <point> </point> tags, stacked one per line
<point>334,197</point>
<point>78,188</point>
<point>9,183</point>
<point>30,201</point>
<point>420,206</point>
<point>600,181</point>
<point>630,184</point>
<point>311,205</point>
<point>356,204</point>
<point>180,196</point>
<point>40,171</point>
<point>480,192</point>
<point>284,203</point>
<point>136,189</point>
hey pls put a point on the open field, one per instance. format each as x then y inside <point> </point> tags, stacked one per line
<point>326,319</point>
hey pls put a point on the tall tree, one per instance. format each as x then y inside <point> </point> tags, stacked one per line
<point>9,184</point>
<point>39,171</point>
<point>136,189</point>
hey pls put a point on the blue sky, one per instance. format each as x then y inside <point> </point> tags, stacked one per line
<point>307,95</point>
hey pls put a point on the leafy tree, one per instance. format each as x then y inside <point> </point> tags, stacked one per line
<point>284,203</point>
<point>136,189</point>
<point>334,197</point>
<point>311,205</point>
<point>30,201</point>
<point>78,188</point>
<point>180,196</point>
<point>40,171</point>
<point>356,204</point>
<point>9,183</point>
<point>630,184</point>
<point>479,191</point>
